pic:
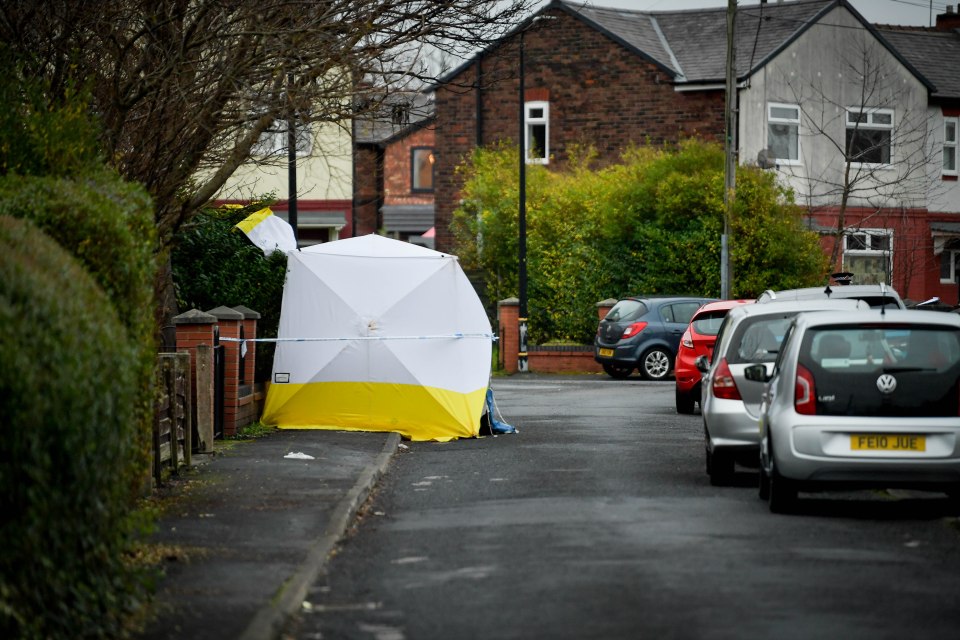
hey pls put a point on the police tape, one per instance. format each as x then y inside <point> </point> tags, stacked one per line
<point>488,336</point>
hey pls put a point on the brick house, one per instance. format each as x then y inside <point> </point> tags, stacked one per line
<point>611,77</point>
<point>393,183</point>
<point>323,180</point>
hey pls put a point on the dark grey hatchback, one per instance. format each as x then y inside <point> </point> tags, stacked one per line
<point>643,333</point>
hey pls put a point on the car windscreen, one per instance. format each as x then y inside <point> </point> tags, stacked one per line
<point>758,339</point>
<point>883,370</point>
<point>626,311</point>
<point>708,323</point>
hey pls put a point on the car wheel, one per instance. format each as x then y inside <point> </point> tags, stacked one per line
<point>685,402</point>
<point>617,371</point>
<point>720,466</point>
<point>655,364</point>
<point>781,492</point>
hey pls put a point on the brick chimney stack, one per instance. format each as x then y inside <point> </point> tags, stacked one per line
<point>949,20</point>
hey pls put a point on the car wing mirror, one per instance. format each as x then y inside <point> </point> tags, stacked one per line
<point>756,373</point>
<point>702,363</point>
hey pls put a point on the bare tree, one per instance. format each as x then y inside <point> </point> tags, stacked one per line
<point>184,89</point>
<point>866,136</point>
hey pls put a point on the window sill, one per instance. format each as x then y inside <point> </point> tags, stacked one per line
<point>949,178</point>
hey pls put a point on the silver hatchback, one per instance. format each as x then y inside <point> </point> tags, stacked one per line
<point>869,399</point>
<point>729,402</point>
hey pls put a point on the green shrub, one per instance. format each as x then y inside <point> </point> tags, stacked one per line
<point>107,224</point>
<point>651,224</point>
<point>215,264</point>
<point>68,448</point>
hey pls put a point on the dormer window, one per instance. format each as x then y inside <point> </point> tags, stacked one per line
<point>400,114</point>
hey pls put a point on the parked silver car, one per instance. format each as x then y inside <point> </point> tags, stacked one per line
<point>876,295</point>
<point>729,402</point>
<point>858,400</point>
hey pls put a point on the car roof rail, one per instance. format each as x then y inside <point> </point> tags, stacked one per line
<point>768,292</point>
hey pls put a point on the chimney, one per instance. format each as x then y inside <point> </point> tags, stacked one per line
<point>949,20</point>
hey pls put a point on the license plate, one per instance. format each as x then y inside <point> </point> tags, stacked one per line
<point>887,442</point>
<point>606,353</point>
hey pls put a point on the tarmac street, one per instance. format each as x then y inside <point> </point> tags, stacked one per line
<point>596,520</point>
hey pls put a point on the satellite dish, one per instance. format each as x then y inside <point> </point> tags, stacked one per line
<point>766,158</point>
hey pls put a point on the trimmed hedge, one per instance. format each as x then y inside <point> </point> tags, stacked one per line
<point>107,224</point>
<point>68,447</point>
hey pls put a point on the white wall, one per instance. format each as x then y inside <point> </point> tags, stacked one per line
<point>822,72</point>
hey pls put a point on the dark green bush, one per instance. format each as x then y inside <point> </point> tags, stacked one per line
<point>68,447</point>
<point>107,224</point>
<point>215,264</point>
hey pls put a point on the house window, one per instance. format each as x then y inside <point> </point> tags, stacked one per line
<point>274,140</point>
<point>537,132</point>
<point>950,262</point>
<point>867,253</point>
<point>868,135</point>
<point>783,132</point>
<point>421,163</point>
<point>950,146</point>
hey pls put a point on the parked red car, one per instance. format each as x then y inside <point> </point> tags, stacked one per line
<point>698,340</point>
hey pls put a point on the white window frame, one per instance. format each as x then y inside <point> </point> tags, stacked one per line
<point>273,141</point>
<point>871,125</point>
<point>869,238</point>
<point>951,252</point>
<point>531,121</point>
<point>950,145</point>
<point>791,122</point>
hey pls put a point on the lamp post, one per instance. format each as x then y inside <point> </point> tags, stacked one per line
<point>522,365</point>
<point>292,160</point>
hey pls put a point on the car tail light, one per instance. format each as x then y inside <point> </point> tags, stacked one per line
<point>804,395</point>
<point>724,386</point>
<point>633,329</point>
<point>686,340</point>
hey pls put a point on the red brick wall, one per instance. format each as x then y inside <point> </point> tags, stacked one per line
<point>367,175</point>
<point>600,93</point>
<point>397,168</point>
<point>916,270</point>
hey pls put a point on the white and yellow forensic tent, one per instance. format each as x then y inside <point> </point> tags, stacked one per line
<point>379,335</point>
<point>269,232</point>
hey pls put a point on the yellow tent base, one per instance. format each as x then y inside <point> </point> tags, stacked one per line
<point>416,412</point>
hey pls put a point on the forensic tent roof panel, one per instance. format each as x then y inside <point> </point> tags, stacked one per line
<point>935,54</point>
<point>380,335</point>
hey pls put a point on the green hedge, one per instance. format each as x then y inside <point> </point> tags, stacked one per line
<point>107,224</point>
<point>650,224</point>
<point>68,446</point>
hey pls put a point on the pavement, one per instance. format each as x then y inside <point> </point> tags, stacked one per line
<point>246,531</point>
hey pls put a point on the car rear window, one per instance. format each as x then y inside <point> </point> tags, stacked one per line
<point>708,323</point>
<point>889,370</point>
<point>758,339</point>
<point>625,311</point>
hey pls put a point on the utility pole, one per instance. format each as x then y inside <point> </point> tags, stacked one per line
<point>730,152</point>
<point>522,365</point>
